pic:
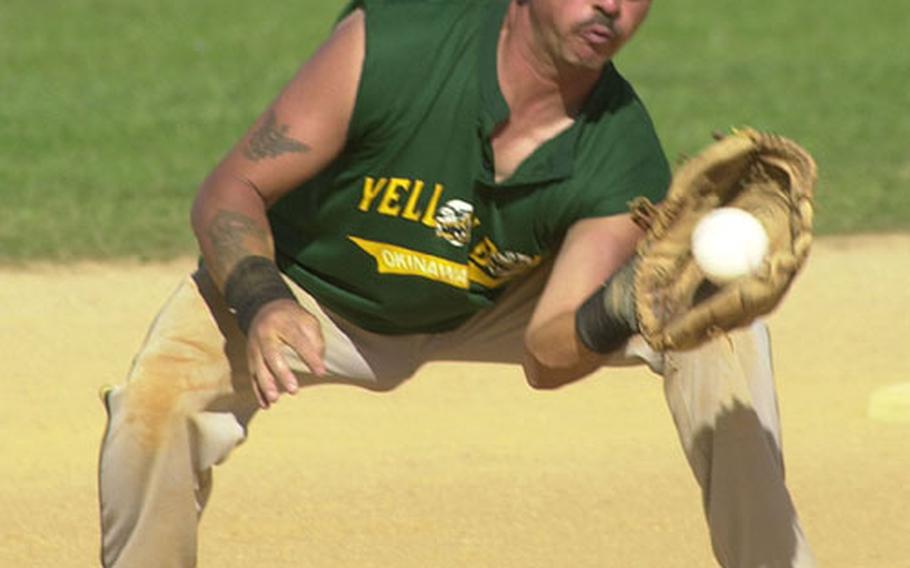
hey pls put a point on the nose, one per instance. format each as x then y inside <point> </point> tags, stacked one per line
<point>608,7</point>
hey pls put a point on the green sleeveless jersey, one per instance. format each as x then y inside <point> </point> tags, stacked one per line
<point>408,231</point>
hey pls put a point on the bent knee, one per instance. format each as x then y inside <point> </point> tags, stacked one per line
<point>163,394</point>
<point>150,410</point>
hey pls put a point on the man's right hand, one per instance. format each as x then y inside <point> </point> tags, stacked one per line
<point>278,324</point>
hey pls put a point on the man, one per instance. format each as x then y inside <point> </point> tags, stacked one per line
<point>440,181</point>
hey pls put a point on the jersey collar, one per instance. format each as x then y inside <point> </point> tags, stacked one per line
<point>554,160</point>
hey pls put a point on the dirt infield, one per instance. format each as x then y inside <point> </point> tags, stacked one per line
<point>464,466</point>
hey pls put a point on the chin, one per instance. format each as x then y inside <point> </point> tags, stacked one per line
<point>587,58</point>
<point>592,62</point>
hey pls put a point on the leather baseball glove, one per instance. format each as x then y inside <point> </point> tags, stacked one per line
<point>662,293</point>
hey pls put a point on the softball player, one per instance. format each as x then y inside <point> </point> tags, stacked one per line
<point>440,181</point>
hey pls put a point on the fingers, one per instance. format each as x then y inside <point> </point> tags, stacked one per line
<point>306,340</point>
<point>263,372</point>
<point>282,327</point>
<point>270,375</point>
<point>261,380</point>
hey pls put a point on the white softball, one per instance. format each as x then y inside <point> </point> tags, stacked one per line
<point>729,243</point>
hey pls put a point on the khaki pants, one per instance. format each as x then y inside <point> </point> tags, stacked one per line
<point>187,403</point>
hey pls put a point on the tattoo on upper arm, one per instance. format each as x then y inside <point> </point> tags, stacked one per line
<point>271,140</point>
<point>231,235</point>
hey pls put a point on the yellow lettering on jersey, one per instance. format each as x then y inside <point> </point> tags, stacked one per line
<point>391,259</point>
<point>429,218</point>
<point>390,200</point>
<point>371,188</point>
<point>411,213</point>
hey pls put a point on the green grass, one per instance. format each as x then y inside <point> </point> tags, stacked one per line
<point>833,77</point>
<point>112,111</point>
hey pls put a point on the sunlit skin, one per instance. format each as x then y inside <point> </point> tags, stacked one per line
<point>580,34</point>
<point>551,54</point>
<point>585,33</point>
<point>558,48</point>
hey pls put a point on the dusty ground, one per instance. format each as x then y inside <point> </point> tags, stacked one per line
<point>464,466</point>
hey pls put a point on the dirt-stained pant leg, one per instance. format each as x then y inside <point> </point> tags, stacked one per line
<point>722,398</point>
<point>185,405</point>
<point>159,447</point>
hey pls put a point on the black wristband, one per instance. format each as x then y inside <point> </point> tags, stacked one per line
<point>607,318</point>
<point>252,283</point>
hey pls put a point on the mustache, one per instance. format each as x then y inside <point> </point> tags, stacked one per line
<point>600,19</point>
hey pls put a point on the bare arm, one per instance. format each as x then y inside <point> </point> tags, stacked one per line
<point>295,138</point>
<point>300,133</point>
<point>592,251</point>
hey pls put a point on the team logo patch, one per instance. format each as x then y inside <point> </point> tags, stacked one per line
<point>491,267</point>
<point>506,264</point>
<point>454,221</point>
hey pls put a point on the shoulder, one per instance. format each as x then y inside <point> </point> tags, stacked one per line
<point>414,48</point>
<point>417,10</point>
<point>615,110</point>
<point>617,157</point>
<point>412,27</point>
<point>414,36</point>
<point>619,138</point>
